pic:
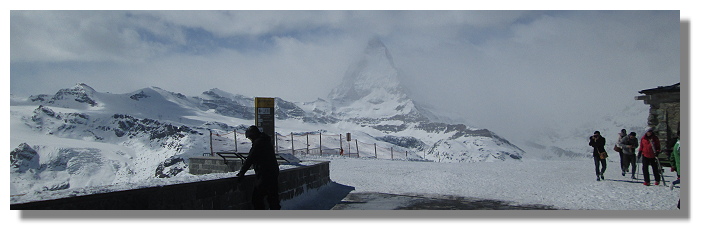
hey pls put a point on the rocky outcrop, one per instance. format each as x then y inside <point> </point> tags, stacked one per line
<point>23,158</point>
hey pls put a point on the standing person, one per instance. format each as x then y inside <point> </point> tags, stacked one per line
<point>624,163</point>
<point>629,144</point>
<point>598,144</point>
<point>676,158</point>
<point>262,157</point>
<point>649,148</point>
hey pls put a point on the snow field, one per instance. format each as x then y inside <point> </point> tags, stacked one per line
<point>562,184</point>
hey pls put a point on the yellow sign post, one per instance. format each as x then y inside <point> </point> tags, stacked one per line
<point>264,116</point>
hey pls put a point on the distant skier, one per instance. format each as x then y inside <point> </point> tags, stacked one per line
<point>649,148</point>
<point>598,144</point>
<point>629,144</point>
<point>266,170</point>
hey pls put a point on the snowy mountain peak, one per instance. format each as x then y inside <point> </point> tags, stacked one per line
<point>23,158</point>
<point>217,92</point>
<point>375,47</point>
<point>80,93</point>
<point>77,90</point>
<point>371,87</point>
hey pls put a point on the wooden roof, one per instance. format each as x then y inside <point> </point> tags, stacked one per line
<point>672,88</point>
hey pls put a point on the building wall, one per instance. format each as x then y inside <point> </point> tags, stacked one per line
<point>220,194</point>
<point>664,117</point>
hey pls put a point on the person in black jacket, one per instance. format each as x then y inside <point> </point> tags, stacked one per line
<point>623,161</point>
<point>262,157</point>
<point>598,144</point>
<point>629,144</point>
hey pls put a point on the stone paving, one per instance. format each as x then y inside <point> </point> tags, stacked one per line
<point>385,201</point>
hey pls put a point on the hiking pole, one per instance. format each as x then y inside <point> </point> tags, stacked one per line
<point>661,171</point>
<point>653,148</point>
<point>638,157</point>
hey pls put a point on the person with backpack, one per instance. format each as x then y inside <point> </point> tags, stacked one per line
<point>263,159</point>
<point>629,144</point>
<point>649,148</point>
<point>598,144</point>
<point>624,163</point>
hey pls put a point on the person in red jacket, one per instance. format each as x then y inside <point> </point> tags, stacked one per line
<point>649,148</point>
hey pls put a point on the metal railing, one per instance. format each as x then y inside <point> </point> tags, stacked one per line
<point>310,143</point>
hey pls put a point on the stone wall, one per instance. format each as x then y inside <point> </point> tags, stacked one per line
<point>664,117</point>
<point>220,194</point>
<point>208,165</point>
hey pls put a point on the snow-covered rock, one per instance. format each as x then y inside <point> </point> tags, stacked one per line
<point>24,158</point>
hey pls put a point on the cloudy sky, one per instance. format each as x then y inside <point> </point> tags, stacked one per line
<point>499,69</point>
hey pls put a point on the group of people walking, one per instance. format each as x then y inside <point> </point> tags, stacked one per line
<point>631,149</point>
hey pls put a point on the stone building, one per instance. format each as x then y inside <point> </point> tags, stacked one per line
<point>664,114</point>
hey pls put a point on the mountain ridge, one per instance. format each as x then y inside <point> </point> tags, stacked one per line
<point>151,132</point>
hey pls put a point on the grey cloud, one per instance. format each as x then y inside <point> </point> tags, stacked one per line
<point>491,66</point>
<point>57,36</point>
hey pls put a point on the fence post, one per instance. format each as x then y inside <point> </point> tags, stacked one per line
<point>306,143</point>
<point>392,148</point>
<point>292,143</point>
<point>320,142</point>
<point>235,134</point>
<point>341,143</point>
<point>375,150</point>
<point>357,148</point>
<point>211,141</point>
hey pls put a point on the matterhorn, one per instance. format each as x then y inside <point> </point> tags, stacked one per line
<point>372,95</point>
